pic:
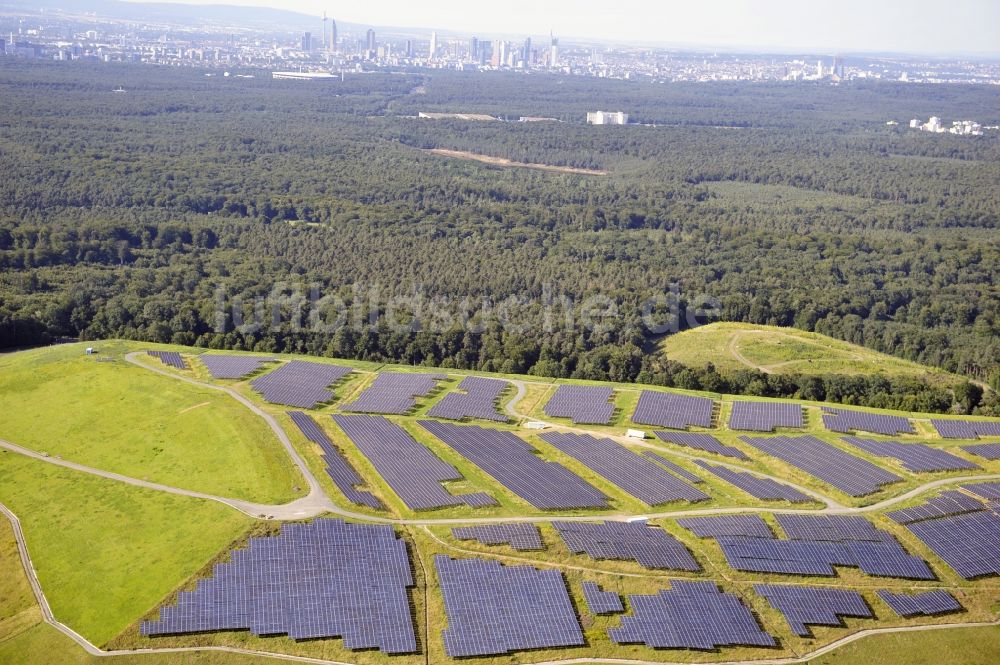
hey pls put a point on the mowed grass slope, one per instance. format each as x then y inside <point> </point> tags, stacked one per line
<point>771,349</point>
<point>106,552</point>
<point>118,417</point>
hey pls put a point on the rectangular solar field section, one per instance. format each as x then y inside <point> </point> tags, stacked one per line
<point>915,457</point>
<point>846,421</point>
<point>413,471</point>
<point>764,416</point>
<point>989,491</point>
<point>965,429</point>
<point>832,528</point>
<point>968,542</point>
<point>324,579</point>
<point>602,602</point>
<point>672,410</point>
<point>690,615</point>
<point>639,477</point>
<point>851,475</point>
<point>705,442</point>
<point>299,383</point>
<point>928,603</point>
<point>585,405</point>
<point>675,469</point>
<point>811,606</point>
<point>946,504</point>
<point>232,367</point>
<point>394,393</point>
<point>988,451</point>
<point>338,468</point>
<point>815,545</point>
<point>494,609</point>
<point>169,358</point>
<point>750,526</point>
<point>478,399</point>
<point>650,547</point>
<point>514,464</point>
<point>759,488</point>
<point>522,537</point>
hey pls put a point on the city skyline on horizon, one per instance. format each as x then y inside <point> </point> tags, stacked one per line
<point>906,28</point>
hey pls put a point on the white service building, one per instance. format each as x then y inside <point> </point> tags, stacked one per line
<point>607,118</point>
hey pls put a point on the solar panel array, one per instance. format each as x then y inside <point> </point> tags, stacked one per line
<point>943,505</point>
<point>169,358</point>
<point>764,489</point>
<point>990,491</point>
<point>522,537</point>
<point>639,477</point>
<point>916,457</point>
<point>928,603</point>
<point>338,468</point>
<point>650,547</point>
<point>851,475</point>
<point>705,442</point>
<point>764,416</point>
<point>751,526</point>
<point>299,383</point>
<point>327,578</point>
<point>602,602</point>
<point>813,606</point>
<point>815,544</point>
<point>846,421</point>
<point>494,609</point>
<point>690,615</point>
<point>232,367</point>
<point>965,429</point>
<point>585,405</point>
<point>413,471</point>
<point>515,465</point>
<point>968,542</point>
<point>478,400</point>
<point>675,469</point>
<point>988,451</point>
<point>394,393</point>
<point>672,410</point>
<point>832,528</point>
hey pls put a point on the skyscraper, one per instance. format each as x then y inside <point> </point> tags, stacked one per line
<point>553,51</point>
<point>474,49</point>
<point>306,41</point>
<point>333,36</point>
<point>409,48</point>
<point>434,46</point>
<point>526,52</point>
<point>371,40</point>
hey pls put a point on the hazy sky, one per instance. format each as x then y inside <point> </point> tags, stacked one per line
<point>916,26</point>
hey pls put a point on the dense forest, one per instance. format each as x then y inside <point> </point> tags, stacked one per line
<point>297,216</point>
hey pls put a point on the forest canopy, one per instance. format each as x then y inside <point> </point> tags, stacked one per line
<point>158,213</point>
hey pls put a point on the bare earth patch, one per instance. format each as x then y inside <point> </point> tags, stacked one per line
<point>500,161</point>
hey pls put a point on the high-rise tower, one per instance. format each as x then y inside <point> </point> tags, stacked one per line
<point>553,50</point>
<point>434,46</point>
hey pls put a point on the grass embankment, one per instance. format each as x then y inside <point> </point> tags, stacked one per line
<point>103,412</point>
<point>771,349</point>
<point>106,552</point>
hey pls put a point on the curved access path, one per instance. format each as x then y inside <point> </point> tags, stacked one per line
<point>316,502</point>
<point>49,618</point>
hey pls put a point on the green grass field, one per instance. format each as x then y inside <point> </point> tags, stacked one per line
<point>106,552</point>
<point>735,346</point>
<point>122,418</point>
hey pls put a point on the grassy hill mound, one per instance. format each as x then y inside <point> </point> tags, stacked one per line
<point>774,350</point>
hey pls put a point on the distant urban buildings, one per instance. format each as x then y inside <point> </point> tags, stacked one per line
<point>958,127</point>
<point>607,118</point>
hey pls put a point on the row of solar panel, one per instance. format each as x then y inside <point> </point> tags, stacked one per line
<point>329,578</point>
<point>303,384</point>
